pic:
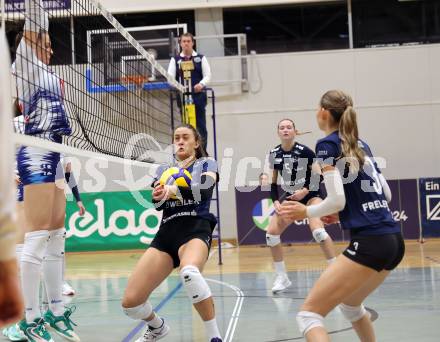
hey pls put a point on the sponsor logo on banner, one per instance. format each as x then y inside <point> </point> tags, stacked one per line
<point>18,5</point>
<point>114,220</point>
<point>430,205</point>
<point>433,207</point>
<point>262,212</point>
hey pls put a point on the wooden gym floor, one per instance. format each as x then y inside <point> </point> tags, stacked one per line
<point>405,308</point>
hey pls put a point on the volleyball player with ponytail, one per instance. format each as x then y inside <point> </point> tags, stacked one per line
<point>294,163</point>
<point>183,240</point>
<point>376,245</point>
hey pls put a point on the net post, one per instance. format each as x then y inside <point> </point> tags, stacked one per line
<point>214,131</point>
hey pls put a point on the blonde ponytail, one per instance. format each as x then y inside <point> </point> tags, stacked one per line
<point>340,106</point>
<point>349,134</point>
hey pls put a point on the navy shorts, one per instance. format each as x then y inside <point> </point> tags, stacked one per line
<point>36,165</point>
<point>379,252</point>
<point>178,231</point>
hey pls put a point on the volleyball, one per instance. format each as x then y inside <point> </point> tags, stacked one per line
<point>176,176</point>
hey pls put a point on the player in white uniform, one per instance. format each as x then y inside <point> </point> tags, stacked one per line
<point>40,97</point>
<point>13,332</point>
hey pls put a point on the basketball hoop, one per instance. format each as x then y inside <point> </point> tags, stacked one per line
<point>137,80</point>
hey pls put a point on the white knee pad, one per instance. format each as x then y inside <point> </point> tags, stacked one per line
<point>34,246</point>
<point>56,245</point>
<point>308,320</point>
<point>195,285</point>
<point>320,235</point>
<point>142,311</point>
<point>353,313</point>
<point>272,240</point>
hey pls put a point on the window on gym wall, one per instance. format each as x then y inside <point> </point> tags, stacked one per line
<point>303,27</point>
<point>84,24</point>
<point>394,22</point>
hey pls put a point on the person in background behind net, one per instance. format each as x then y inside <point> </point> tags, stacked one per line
<point>41,100</point>
<point>11,304</point>
<point>200,78</point>
<point>294,162</point>
<point>263,179</point>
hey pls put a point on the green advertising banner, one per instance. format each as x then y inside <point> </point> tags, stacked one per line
<point>113,221</point>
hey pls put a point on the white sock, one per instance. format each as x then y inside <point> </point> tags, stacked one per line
<point>331,260</point>
<point>280,267</point>
<point>156,322</point>
<point>31,261</point>
<point>18,252</point>
<point>212,329</point>
<point>44,301</point>
<point>53,270</point>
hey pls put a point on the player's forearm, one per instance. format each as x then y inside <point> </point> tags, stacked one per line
<point>274,195</point>
<point>71,181</point>
<point>199,192</point>
<point>335,200</point>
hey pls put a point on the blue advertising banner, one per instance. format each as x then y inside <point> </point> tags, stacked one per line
<point>255,208</point>
<point>18,5</point>
<point>430,206</point>
<point>404,207</point>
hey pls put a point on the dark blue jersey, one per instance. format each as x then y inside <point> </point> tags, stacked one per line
<point>176,208</point>
<point>295,167</point>
<point>366,208</point>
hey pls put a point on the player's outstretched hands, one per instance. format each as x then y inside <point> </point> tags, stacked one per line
<point>298,195</point>
<point>159,193</point>
<point>292,210</point>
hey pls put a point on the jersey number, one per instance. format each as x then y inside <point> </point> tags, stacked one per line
<point>377,186</point>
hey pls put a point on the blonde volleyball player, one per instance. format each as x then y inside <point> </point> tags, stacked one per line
<point>183,240</point>
<point>293,162</point>
<point>376,245</point>
<point>11,304</point>
<point>40,97</point>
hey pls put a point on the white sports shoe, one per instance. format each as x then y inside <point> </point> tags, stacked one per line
<point>68,290</point>
<point>154,334</point>
<point>281,283</point>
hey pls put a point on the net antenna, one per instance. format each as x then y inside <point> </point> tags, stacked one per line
<point>3,14</point>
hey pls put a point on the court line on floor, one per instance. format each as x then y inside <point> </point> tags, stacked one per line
<point>237,309</point>
<point>159,306</point>
<point>373,313</point>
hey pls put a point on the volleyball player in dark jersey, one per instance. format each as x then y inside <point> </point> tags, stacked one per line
<point>293,162</point>
<point>183,240</point>
<point>376,245</point>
